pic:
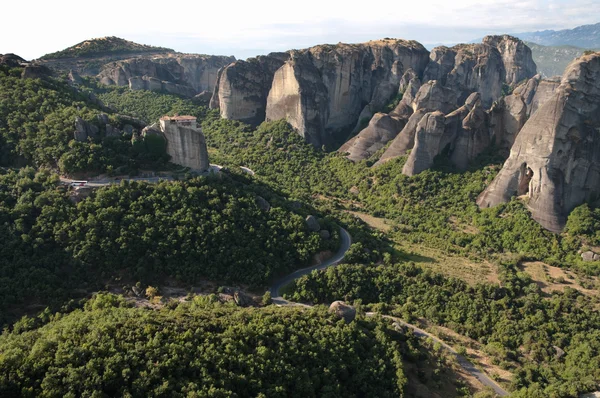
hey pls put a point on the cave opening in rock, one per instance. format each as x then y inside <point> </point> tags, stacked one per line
<point>525,176</point>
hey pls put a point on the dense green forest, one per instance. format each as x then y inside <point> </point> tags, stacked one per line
<point>37,124</point>
<point>188,230</point>
<point>522,329</point>
<point>57,245</point>
<point>201,349</point>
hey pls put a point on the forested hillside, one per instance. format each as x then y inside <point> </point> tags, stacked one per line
<point>201,349</point>
<point>199,228</point>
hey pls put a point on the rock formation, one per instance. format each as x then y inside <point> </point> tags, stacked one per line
<point>35,71</point>
<point>322,91</point>
<point>325,91</point>
<point>83,130</point>
<point>185,142</point>
<point>381,129</point>
<point>242,88</point>
<point>485,68</point>
<point>312,223</point>
<point>343,311</point>
<point>555,159</point>
<point>178,73</point>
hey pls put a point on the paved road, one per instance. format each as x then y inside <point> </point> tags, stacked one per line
<point>337,258</point>
<point>214,168</point>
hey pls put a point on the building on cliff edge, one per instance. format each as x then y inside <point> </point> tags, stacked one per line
<point>185,142</point>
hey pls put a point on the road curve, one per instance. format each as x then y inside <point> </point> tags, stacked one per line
<point>463,362</point>
<point>337,257</point>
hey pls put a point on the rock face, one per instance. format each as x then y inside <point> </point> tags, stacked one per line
<point>555,159</point>
<point>312,223</point>
<point>381,129</point>
<point>35,71</point>
<point>324,91</point>
<point>178,73</point>
<point>153,84</point>
<point>483,68</point>
<point>185,142</point>
<point>343,310</point>
<point>509,114</point>
<point>242,88</point>
<point>83,130</point>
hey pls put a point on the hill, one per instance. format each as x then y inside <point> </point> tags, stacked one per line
<point>585,36</point>
<point>553,60</point>
<point>105,46</point>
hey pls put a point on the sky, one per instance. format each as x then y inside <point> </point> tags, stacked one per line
<point>245,28</point>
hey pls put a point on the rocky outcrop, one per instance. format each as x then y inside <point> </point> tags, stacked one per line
<point>509,114</point>
<point>555,160</point>
<point>153,84</point>
<point>463,134</point>
<point>485,68</point>
<point>83,130</point>
<point>185,142</point>
<point>431,96</point>
<point>177,73</point>
<point>312,223</point>
<point>325,91</point>
<point>428,143</point>
<point>242,88</point>
<point>343,311</point>
<point>381,129</point>
<point>35,71</point>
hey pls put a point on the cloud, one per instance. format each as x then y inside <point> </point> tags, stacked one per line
<point>240,26</point>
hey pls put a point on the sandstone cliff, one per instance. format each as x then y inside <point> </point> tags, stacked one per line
<point>185,142</point>
<point>555,159</point>
<point>324,91</point>
<point>484,68</point>
<point>242,87</point>
<point>196,73</point>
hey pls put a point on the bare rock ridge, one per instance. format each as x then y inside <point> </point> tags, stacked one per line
<point>450,77</point>
<point>555,159</point>
<point>181,74</point>
<point>186,143</point>
<point>323,91</point>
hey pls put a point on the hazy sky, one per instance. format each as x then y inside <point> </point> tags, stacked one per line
<point>249,27</point>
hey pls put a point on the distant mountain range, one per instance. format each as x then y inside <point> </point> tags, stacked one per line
<point>585,36</point>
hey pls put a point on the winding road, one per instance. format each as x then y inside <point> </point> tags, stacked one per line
<point>398,323</point>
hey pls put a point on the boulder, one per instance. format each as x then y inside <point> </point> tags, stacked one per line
<point>343,311</point>
<point>589,256</point>
<point>242,299</point>
<point>555,160</point>
<point>112,131</point>
<point>263,204</point>
<point>312,223</point>
<point>325,234</point>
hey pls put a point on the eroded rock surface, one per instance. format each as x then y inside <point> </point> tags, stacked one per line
<point>242,88</point>
<point>555,160</point>
<point>195,72</point>
<point>185,142</point>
